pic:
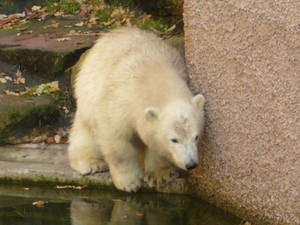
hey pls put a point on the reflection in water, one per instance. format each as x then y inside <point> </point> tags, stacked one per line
<point>99,207</point>
<point>139,211</point>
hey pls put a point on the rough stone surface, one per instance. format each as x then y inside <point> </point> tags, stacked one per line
<point>19,113</point>
<point>245,57</point>
<point>46,51</point>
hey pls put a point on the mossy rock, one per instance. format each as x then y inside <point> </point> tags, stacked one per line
<point>75,69</point>
<point>19,114</point>
<point>45,63</point>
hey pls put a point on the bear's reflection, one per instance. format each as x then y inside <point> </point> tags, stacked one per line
<point>146,209</point>
<point>126,211</point>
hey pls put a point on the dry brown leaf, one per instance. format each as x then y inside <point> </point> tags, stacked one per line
<point>171,28</point>
<point>39,204</point>
<point>8,92</point>
<point>70,187</point>
<point>3,74</point>
<point>109,22</point>
<point>80,24</point>
<point>19,72</point>
<point>63,39</point>
<point>19,80</point>
<point>138,213</point>
<point>36,8</point>
<point>3,80</point>
<point>53,25</point>
<point>84,197</point>
<point>59,13</point>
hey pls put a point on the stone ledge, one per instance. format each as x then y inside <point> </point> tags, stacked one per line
<point>24,163</point>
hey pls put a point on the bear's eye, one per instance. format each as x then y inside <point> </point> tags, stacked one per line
<point>174,140</point>
<point>196,138</point>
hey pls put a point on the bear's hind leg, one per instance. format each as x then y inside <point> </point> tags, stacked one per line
<point>125,170</point>
<point>84,154</point>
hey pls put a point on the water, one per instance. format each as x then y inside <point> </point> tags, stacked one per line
<point>102,207</point>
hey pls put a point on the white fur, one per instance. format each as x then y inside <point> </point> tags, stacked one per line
<point>132,83</point>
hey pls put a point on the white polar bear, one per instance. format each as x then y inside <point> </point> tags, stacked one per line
<point>132,86</point>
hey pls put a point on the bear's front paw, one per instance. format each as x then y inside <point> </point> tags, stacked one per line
<point>160,179</point>
<point>130,182</point>
<point>87,167</point>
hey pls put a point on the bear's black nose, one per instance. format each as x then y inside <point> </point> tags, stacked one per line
<point>191,165</point>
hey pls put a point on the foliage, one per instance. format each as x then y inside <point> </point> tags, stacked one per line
<point>109,15</point>
<point>69,6</point>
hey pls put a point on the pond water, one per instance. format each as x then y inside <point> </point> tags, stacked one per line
<point>103,207</point>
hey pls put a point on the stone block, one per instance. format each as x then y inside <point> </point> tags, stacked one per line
<point>244,56</point>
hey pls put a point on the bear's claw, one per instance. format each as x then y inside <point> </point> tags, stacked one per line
<point>85,168</point>
<point>160,180</point>
<point>129,182</point>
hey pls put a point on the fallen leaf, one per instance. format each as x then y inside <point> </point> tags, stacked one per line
<point>50,140</point>
<point>59,13</point>
<point>80,24</point>
<point>53,25</point>
<point>138,213</point>
<point>3,80</point>
<point>63,39</point>
<point>36,8</point>
<point>39,204</point>
<point>3,74</point>
<point>171,28</point>
<point>84,197</point>
<point>8,78</point>
<point>3,16</point>
<point>19,72</point>
<point>70,187</point>
<point>19,80</point>
<point>82,13</point>
<point>29,11</point>
<point>109,22</point>
<point>116,200</point>
<point>80,42</point>
<point>57,139</point>
<point>8,92</point>
<point>93,20</point>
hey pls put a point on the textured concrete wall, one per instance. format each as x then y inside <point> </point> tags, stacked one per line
<point>244,55</point>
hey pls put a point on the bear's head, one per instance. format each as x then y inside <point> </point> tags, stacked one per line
<point>174,131</point>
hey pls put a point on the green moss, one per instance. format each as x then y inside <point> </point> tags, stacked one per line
<point>30,112</point>
<point>68,6</point>
<point>48,64</point>
<point>51,181</point>
<point>149,24</point>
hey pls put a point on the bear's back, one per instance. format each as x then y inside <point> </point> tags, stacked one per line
<point>127,61</point>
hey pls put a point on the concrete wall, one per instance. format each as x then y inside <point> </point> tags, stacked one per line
<point>244,56</point>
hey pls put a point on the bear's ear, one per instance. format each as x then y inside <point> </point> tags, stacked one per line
<point>151,113</point>
<point>199,101</point>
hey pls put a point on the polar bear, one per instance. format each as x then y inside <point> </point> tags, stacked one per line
<point>133,86</point>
